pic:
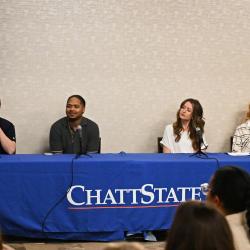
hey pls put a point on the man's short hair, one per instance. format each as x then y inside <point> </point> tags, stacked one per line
<point>80,98</point>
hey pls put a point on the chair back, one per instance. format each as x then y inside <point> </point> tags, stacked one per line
<point>99,149</point>
<point>231,143</point>
<point>160,148</point>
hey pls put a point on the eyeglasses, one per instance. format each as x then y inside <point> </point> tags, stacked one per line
<point>205,188</point>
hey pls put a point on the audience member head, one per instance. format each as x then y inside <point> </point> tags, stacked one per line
<point>198,226</point>
<point>191,112</point>
<point>75,107</point>
<point>124,246</point>
<point>229,190</point>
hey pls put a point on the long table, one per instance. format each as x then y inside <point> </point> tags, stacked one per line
<point>100,196</point>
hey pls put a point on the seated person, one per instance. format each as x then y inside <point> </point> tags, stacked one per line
<point>7,137</point>
<point>241,139</point>
<point>181,136</point>
<point>197,226</point>
<point>229,190</point>
<point>74,134</point>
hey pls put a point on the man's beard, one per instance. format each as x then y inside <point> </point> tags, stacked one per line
<point>74,119</point>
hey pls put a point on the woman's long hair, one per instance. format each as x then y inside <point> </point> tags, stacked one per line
<point>197,226</point>
<point>197,121</point>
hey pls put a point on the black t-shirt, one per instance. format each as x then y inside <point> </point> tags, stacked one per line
<point>9,130</point>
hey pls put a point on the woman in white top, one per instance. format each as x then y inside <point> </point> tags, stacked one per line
<point>241,139</point>
<point>181,136</point>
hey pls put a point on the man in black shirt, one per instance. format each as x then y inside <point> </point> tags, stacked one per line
<point>74,134</point>
<point>7,137</point>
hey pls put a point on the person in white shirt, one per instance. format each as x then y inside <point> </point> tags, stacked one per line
<point>181,136</point>
<point>241,139</point>
<point>229,190</point>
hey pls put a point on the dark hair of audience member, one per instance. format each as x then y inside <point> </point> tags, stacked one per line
<point>80,98</point>
<point>196,121</point>
<point>198,226</point>
<point>232,186</point>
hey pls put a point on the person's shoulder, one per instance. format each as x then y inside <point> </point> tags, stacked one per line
<point>89,122</point>
<point>243,125</point>
<point>61,122</point>
<point>169,127</point>
<point>248,123</point>
<point>6,122</point>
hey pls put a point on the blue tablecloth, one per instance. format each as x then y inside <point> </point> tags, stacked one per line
<point>99,196</point>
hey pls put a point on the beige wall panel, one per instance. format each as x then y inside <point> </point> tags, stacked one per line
<point>133,61</point>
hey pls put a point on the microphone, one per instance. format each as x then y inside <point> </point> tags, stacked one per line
<point>199,136</point>
<point>200,141</point>
<point>79,130</point>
